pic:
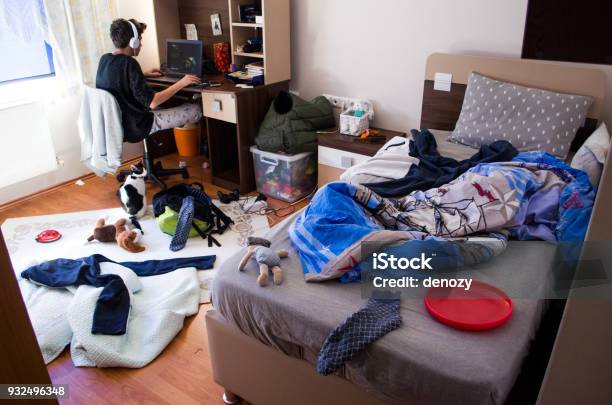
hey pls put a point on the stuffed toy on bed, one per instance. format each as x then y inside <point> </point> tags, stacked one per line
<point>267,258</point>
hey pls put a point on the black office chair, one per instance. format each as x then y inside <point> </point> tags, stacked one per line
<point>155,170</point>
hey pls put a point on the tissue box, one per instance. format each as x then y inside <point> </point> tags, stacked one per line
<point>351,125</point>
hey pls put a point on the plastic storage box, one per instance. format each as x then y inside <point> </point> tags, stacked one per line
<point>285,177</point>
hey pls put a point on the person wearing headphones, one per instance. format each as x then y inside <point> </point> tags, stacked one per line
<point>121,75</point>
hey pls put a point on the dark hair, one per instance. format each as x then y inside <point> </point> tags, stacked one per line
<point>121,31</point>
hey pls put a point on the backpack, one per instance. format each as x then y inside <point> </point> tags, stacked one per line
<point>205,212</point>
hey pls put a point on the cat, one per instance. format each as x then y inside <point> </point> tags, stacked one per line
<point>132,194</point>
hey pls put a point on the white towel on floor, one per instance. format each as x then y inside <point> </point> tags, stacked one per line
<point>64,316</point>
<point>156,316</point>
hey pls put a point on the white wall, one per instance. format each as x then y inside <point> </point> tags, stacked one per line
<point>377,49</point>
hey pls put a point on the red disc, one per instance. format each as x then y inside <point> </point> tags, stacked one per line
<point>482,307</point>
<point>48,236</point>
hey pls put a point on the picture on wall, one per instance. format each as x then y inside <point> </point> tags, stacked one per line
<point>215,20</point>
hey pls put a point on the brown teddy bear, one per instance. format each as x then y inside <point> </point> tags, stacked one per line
<point>125,238</point>
<point>267,258</point>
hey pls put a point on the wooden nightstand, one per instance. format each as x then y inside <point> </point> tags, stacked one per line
<point>339,152</point>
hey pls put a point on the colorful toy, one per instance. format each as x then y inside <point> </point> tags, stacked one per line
<point>48,236</point>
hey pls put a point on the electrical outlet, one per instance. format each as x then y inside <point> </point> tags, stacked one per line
<point>342,104</point>
<point>336,101</point>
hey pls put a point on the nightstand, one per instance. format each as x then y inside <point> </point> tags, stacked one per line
<point>339,152</point>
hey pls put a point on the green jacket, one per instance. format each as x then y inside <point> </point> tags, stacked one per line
<point>296,131</point>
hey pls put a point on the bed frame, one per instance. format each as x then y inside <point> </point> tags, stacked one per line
<point>578,370</point>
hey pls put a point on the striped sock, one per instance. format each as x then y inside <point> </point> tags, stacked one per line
<point>365,326</point>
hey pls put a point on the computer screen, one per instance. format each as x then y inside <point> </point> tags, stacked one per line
<point>183,57</point>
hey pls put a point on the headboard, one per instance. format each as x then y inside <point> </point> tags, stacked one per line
<point>441,109</point>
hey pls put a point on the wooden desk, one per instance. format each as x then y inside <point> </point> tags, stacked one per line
<point>233,116</point>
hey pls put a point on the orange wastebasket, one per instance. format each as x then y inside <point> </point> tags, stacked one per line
<point>187,141</point>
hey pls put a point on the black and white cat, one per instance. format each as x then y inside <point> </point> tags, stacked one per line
<point>132,194</point>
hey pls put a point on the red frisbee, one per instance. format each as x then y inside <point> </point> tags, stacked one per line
<point>48,236</point>
<point>483,307</point>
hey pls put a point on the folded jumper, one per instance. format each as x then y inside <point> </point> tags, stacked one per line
<point>113,306</point>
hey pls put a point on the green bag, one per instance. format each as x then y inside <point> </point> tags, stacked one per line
<point>168,220</point>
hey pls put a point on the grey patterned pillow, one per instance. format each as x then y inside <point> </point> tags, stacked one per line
<point>529,118</point>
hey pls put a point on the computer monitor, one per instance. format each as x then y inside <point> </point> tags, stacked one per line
<point>183,57</point>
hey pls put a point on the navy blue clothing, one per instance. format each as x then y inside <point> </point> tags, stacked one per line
<point>435,170</point>
<point>377,318</point>
<point>122,76</point>
<point>113,306</point>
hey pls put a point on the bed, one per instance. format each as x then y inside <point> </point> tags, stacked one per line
<point>264,342</point>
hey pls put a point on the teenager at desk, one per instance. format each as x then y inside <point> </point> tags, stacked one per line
<point>121,75</point>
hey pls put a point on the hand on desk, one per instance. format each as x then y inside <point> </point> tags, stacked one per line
<point>153,73</point>
<point>189,80</point>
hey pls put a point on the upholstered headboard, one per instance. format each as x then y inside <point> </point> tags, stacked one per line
<point>441,108</point>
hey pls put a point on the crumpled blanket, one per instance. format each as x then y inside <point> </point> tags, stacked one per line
<point>64,316</point>
<point>535,196</point>
<point>435,170</point>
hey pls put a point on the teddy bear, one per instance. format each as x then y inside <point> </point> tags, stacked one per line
<point>125,238</point>
<point>267,258</point>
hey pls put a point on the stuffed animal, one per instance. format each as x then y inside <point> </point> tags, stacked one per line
<point>267,258</point>
<point>132,194</point>
<point>126,238</point>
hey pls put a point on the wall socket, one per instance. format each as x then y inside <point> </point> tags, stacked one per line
<point>342,104</point>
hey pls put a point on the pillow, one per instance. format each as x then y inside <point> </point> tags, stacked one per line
<point>592,155</point>
<point>530,119</point>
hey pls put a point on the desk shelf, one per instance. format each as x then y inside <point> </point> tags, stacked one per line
<point>275,32</point>
<point>247,25</point>
<point>259,55</point>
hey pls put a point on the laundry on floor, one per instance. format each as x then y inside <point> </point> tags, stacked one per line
<point>111,314</point>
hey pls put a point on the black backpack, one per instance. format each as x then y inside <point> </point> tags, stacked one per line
<point>204,209</point>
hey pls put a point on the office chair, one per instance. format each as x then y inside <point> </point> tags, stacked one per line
<point>155,170</point>
<point>100,116</point>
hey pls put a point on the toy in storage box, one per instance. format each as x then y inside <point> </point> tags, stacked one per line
<point>285,177</point>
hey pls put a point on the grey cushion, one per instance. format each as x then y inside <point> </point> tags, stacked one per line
<point>529,118</point>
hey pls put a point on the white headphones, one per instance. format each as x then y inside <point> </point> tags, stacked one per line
<point>134,41</point>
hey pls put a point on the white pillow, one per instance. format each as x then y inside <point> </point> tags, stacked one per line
<point>591,157</point>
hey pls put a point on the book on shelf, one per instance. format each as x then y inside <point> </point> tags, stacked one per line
<point>255,68</point>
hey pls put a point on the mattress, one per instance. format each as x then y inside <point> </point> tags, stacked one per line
<point>422,362</point>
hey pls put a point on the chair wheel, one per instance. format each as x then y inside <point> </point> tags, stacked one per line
<point>185,174</point>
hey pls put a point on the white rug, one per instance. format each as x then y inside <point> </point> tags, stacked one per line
<point>76,227</point>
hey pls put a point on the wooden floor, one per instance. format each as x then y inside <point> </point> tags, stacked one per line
<point>182,373</point>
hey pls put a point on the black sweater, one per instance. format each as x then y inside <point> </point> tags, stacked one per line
<point>122,76</point>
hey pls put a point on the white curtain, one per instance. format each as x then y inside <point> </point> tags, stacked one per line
<point>91,20</point>
<point>78,31</point>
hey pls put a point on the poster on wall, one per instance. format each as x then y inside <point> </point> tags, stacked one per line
<point>191,31</point>
<point>215,20</point>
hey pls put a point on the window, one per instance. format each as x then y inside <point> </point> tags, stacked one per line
<point>26,54</point>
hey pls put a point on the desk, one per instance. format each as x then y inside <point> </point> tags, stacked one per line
<point>232,116</point>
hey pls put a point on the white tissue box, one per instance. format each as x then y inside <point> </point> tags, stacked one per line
<point>351,125</point>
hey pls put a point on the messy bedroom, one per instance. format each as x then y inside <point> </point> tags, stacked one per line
<point>295,202</point>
